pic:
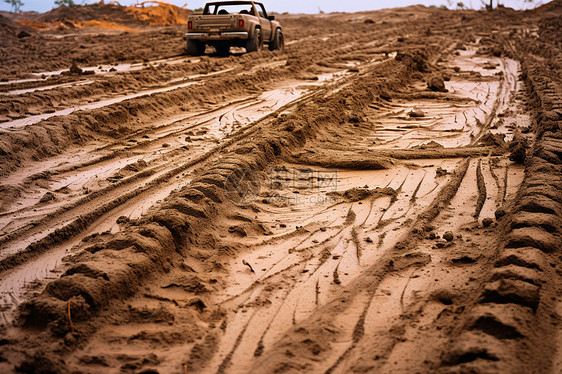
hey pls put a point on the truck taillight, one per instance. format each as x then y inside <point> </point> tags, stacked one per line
<point>241,23</point>
<point>190,25</point>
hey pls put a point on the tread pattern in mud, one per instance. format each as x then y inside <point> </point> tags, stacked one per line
<point>381,290</point>
<point>512,325</point>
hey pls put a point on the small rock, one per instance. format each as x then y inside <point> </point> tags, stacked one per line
<point>432,235</point>
<point>385,95</point>
<point>368,240</point>
<point>239,230</point>
<point>75,70</point>
<point>500,213</point>
<point>487,222</point>
<point>431,145</point>
<point>518,148</point>
<point>149,371</point>
<point>69,339</point>
<point>198,303</point>
<point>437,84</point>
<point>23,34</point>
<point>248,265</point>
<point>123,220</point>
<point>47,197</point>
<point>448,236</point>
<point>441,172</point>
<point>416,113</point>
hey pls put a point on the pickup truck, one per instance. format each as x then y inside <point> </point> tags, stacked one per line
<point>233,23</point>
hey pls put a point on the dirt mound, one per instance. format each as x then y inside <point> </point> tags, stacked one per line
<point>13,29</point>
<point>552,8</point>
<point>107,16</point>
<point>83,13</point>
<point>163,14</point>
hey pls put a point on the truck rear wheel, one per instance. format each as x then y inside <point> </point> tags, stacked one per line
<point>256,42</point>
<point>195,47</point>
<point>278,42</point>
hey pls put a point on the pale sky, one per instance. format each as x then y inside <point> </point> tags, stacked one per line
<point>294,6</point>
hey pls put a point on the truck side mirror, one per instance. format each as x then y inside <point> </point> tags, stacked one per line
<point>271,18</point>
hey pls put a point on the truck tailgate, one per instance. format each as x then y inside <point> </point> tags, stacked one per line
<point>218,22</point>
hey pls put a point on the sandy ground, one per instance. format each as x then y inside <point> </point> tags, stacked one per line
<point>385,196</point>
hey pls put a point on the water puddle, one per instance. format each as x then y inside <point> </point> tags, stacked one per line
<point>101,69</point>
<point>317,244</point>
<point>484,100</point>
<point>20,123</point>
<point>46,88</point>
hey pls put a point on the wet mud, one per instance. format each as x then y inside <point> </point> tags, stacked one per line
<point>383,197</point>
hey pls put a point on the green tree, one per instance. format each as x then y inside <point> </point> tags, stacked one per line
<point>16,4</point>
<point>65,2</point>
<point>490,6</point>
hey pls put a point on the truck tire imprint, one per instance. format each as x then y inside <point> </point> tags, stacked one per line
<point>382,196</point>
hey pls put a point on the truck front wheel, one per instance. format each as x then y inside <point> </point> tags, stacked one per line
<point>195,47</point>
<point>255,43</point>
<point>278,42</point>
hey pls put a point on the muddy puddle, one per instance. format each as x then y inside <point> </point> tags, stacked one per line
<point>98,70</point>
<point>175,84</point>
<point>192,131</point>
<point>21,123</point>
<point>46,88</point>
<point>462,116</point>
<point>324,229</point>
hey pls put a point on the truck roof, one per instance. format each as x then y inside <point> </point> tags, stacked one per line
<point>233,2</point>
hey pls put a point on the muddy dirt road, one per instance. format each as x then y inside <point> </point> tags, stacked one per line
<point>385,196</point>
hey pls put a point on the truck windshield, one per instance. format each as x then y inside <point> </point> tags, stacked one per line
<point>229,9</point>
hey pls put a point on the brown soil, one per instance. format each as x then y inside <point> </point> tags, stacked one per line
<point>385,196</point>
<point>111,16</point>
